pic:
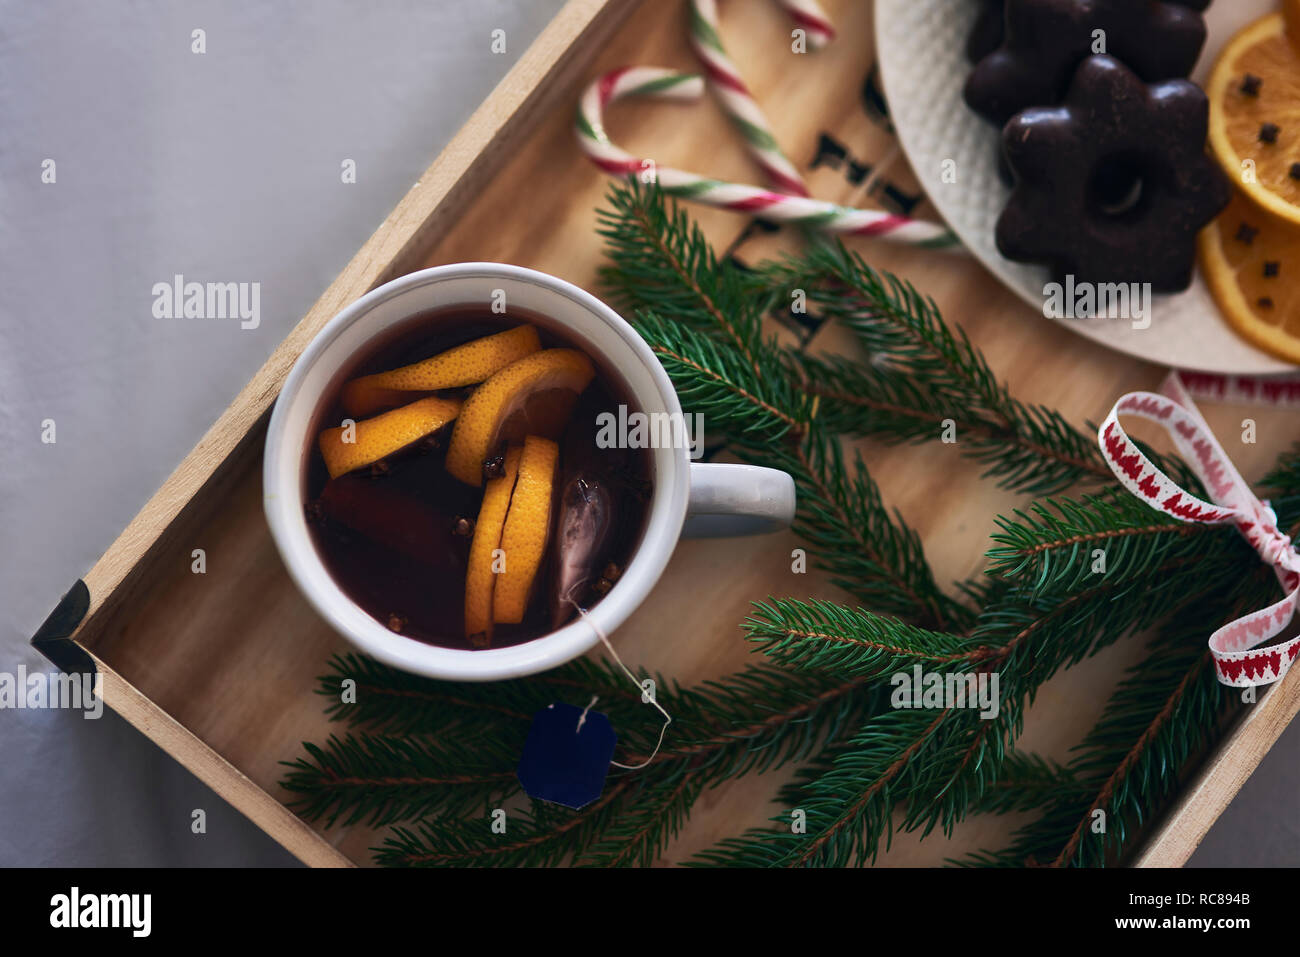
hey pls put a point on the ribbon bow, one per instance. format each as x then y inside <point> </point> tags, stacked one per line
<point>1235,664</point>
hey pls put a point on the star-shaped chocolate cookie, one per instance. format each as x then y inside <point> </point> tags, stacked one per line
<point>986,32</point>
<point>1114,184</point>
<point>1045,40</point>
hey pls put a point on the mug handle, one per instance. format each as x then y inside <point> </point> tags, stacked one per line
<point>730,499</point>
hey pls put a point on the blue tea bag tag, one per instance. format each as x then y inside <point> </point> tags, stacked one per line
<point>567,754</point>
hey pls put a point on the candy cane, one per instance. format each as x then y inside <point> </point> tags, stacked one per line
<point>778,207</point>
<point>738,102</point>
<point>808,15</point>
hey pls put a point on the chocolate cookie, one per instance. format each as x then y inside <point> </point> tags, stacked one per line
<point>1114,184</point>
<point>986,32</point>
<point>1045,40</point>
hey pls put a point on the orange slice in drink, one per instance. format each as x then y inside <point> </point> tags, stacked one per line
<point>527,529</point>
<point>481,572</point>
<point>349,447</point>
<point>533,396</point>
<point>1254,93</point>
<point>1251,262</point>
<point>466,364</point>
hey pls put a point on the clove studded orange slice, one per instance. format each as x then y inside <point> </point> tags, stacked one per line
<point>1251,262</point>
<point>533,395</point>
<point>1254,93</point>
<point>527,528</point>
<point>481,572</point>
<point>466,364</point>
<point>351,447</point>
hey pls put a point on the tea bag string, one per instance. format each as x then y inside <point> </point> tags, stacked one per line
<point>668,719</point>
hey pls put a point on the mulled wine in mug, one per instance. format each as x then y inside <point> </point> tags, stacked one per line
<point>468,456</point>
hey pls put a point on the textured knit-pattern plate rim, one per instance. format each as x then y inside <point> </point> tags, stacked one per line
<point>921,49</point>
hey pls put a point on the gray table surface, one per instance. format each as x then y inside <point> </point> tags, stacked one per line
<point>221,166</point>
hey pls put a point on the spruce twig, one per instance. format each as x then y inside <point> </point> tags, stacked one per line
<point>920,373</point>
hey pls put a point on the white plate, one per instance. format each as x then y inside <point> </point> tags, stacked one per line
<point>921,46</point>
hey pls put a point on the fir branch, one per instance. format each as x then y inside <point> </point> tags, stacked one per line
<point>662,266</point>
<point>922,373</point>
<point>546,835</point>
<point>367,694</point>
<point>870,773</point>
<point>1283,484</point>
<point>1055,542</point>
<point>744,397</point>
<point>1040,636</point>
<point>379,780</point>
<point>1186,706</point>
<point>1163,713</point>
<point>642,832</point>
<point>1026,783</point>
<point>759,719</point>
<point>1284,477</point>
<point>898,327</point>
<point>968,764</point>
<point>775,718</point>
<point>826,636</point>
<point>1124,787</point>
<point>1038,453</point>
<point>660,261</point>
<point>869,552</point>
<point>946,768</point>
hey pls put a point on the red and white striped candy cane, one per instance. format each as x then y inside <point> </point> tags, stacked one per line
<point>778,207</point>
<point>730,89</point>
<point>1237,659</point>
<point>808,16</point>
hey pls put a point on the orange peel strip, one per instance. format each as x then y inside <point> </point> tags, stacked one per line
<point>492,403</point>
<point>466,364</point>
<point>480,579</point>
<point>527,529</point>
<point>372,439</point>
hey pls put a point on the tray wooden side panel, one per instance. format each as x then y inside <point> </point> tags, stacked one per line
<point>232,785</point>
<point>1211,790</point>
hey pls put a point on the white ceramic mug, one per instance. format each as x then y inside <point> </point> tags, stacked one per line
<point>688,497</point>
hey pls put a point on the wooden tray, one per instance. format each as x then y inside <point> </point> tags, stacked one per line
<point>219,669</point>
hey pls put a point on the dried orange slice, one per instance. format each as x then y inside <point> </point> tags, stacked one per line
<point>480,573</point>
<point>1251,261</point>
<point>512,404</point>
<point>1254,93</point>
<point>464,365</point>
<point>372,439</point>
<point>527,528</point>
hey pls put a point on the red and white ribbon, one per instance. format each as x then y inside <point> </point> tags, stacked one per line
<point>1238,660</point>
<point>1278,391</point>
